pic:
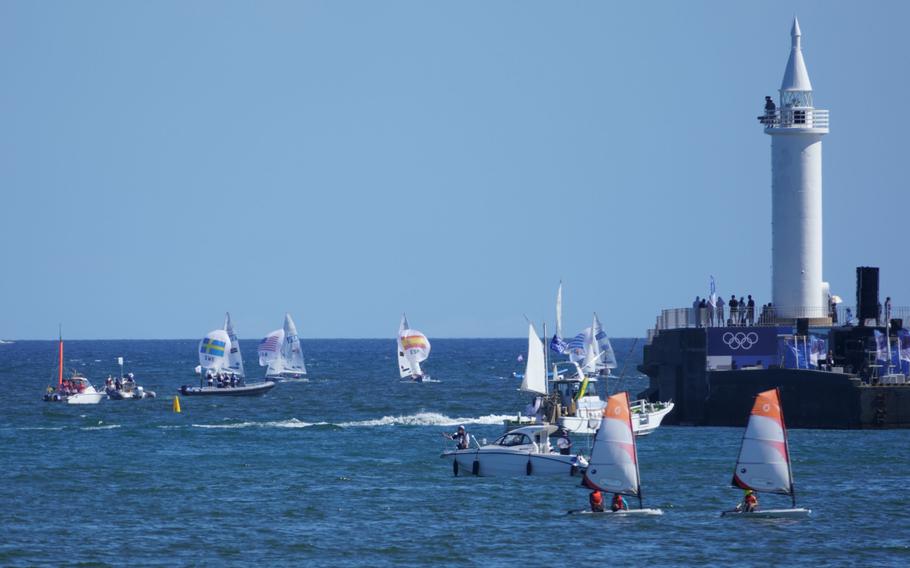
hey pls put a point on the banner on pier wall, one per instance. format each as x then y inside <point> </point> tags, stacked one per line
<point>743,346</point>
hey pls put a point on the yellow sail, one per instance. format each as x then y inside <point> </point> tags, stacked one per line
<point>177,404</point>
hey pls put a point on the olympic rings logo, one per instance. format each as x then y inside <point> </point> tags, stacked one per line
<point>740,340</point>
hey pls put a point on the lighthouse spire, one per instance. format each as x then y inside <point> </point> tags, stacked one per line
<point>796,78</point>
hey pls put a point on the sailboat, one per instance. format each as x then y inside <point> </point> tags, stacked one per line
<point>594,357</point>
<point>74,390</point>
<point>222,366</point>
<point>280,352</point>
<point>763,465</point>
<point>413,349</point>
<point>613,466</point>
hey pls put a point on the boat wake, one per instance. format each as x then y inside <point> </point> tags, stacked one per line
<point>425,419</point>
<point>292,423</point>
<point>419,419</point>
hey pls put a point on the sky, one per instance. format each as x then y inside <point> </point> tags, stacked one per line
<point>345,161</point>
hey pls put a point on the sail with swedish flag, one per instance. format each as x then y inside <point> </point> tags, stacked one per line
<point>212,350</point>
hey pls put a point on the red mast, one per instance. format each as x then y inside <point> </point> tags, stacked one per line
<point>60,377</point>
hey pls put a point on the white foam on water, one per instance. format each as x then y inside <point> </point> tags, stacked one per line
<point>41,428</point>
<point>426,419</point>
<point>292,423</point>
<point>106,427</point>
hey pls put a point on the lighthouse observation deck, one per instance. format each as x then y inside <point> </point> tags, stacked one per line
<point>795,120</point>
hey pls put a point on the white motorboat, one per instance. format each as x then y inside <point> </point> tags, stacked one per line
<point>280,352</point>
<point>523,451</point>
<point>581,415</point>
<point>413,349</point>
<point>613,466</point>
<point>75,390</point>
<point>763,465</point>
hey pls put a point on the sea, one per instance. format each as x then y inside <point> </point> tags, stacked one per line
<point>345,470</point>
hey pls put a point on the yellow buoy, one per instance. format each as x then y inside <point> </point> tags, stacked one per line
<point>177,404</point>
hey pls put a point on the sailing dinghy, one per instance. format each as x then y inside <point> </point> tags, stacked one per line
<point>222,366</point>
<point>613,466</point>
<point>763,465</point>
<point>280,352</point>
<point>413,349</point>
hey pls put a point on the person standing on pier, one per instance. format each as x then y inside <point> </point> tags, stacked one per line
<point>750,311</point>
<point>734,309</point>
<point>719,312</point>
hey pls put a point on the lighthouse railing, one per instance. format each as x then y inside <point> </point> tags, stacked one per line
<point>795,117</point>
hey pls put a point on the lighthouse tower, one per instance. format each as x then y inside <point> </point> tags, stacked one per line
<point>796,128</point>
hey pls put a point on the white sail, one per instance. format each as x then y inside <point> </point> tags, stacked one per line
<point>291,352</point>
<point>607,356</point>
<point>535,379</point>
<point>559,311</point>
<point>270,349</point>
<point>764,459</point>
<point>592,354</point>
<point>404,366</point>
<point>214,349</point>
<point>613,466</point>
<point>235,359</point>
<point>413,349</point>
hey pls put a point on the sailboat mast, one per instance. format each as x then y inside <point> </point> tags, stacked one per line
<point>60,375</point>
<point>786,447</point>
<point>546,361</point>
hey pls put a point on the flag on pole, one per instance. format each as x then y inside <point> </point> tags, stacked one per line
<point>120,361</point>
<point>557,345</point>
<point>712,286</point>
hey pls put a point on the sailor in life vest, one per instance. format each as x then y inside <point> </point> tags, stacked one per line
<point>461,438</point>
<point>618,504</point>
<point>564,443</point>
<point>750,502</point>
<point>596,499</point>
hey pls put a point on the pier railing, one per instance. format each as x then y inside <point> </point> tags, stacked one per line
<point>795,118</point>
<point>678,318</point>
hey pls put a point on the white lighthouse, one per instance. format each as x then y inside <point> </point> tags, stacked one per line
<point>796,128</point>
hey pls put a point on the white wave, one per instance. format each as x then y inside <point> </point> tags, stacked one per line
<point>41,428</point>
<point>107,427</point>
<point>292,423</point>
<point>426,419</point>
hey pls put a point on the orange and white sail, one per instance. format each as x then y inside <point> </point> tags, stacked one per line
<point>613,466</point>
<point>413,349</point>
<point>764,458</point>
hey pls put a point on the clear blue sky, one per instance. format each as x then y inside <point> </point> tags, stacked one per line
<point>162,162</point>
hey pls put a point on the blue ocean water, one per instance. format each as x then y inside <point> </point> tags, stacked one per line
<point>344,470</point>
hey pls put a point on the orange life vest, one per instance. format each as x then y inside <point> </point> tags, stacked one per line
<point>597,501</point>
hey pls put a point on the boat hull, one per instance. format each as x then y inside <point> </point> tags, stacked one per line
<point>768,514</point>
<point>623,513</point>
<point>246,390</point>
<point>644,421</point>
<point>78,398</point>
<point>503,463</point>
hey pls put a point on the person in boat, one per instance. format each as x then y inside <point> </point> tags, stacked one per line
<point>210,379</point>
<point>596,499</point>
<point>618,503</point>
<point>461,438</point>
<point>749,503</point>
<point>564,443</point>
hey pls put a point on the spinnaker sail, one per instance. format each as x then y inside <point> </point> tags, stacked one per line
<point>613,466</point>
<point>270,348</point>
<point>413,349</point>
<point>764,457</point>
<point>214,349</point>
